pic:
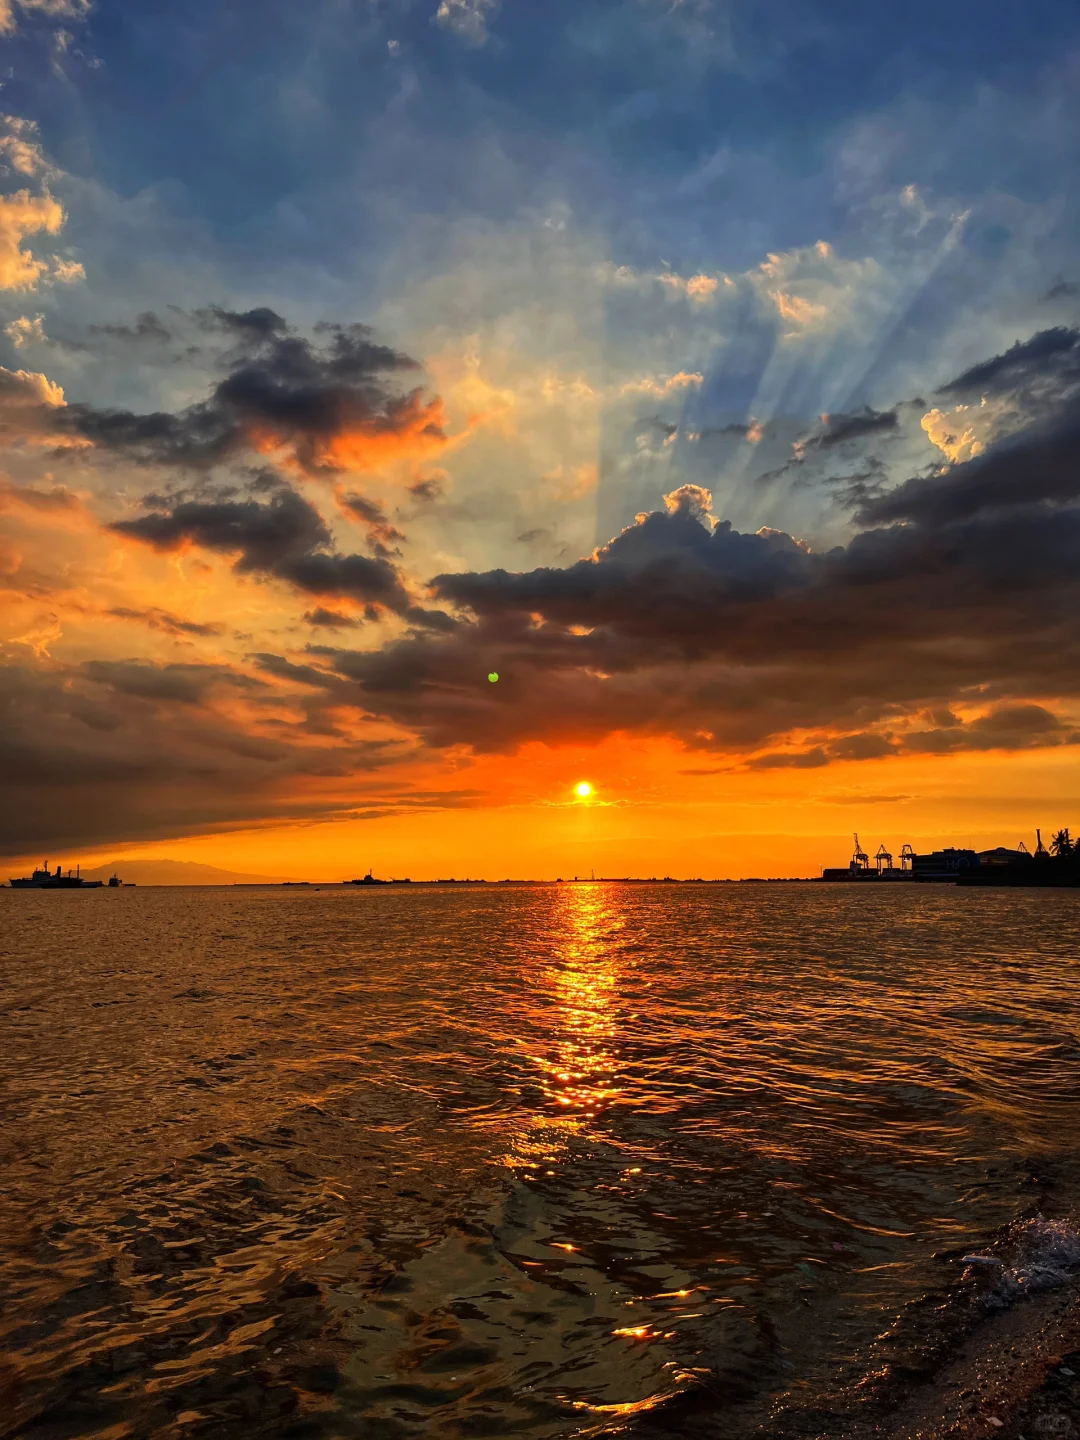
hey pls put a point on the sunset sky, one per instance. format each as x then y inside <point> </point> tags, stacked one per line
<point>706,370</point>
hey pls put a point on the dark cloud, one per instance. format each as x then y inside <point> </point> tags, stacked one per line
<point>146,328</point>
<point>329,619</point>
<point>125,751</point>
<point>283,669</point>
<point>836,429</point>
<point>326,403</point>
<point>360,577</point>
<point>284,538</point>
<point>252,327</point>
<point>1049,360</point>
<point>791,760</point>
<point>184,684</point>
<point>425,492</point>
<point>1040,464</point>
<point>384,538</point>
<point>1009,727</point>
<point>165,621</point>
<point>648,577</point>
<point>962,595</point>
<point>1063,290</point>
<point>263,535</point>
<point>736,430</point>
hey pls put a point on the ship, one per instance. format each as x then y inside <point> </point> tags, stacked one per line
<point>46,879</point>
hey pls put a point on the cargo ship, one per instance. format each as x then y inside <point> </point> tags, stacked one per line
<point>46,879</point>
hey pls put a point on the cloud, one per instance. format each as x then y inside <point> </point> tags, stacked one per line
<point>20,146</point>
<point>1008,727</point>
<point>185,684</point>
<point>667,386</point>
<point>959,598</point>
<point>27,389</point>
<point>166,622</point>
<point>323,406</point>
<point>27,497</point>
<point>838,429</point>
<point>21,215</point>
<point>1046,365</point>
<point>329,619</point>
<point>468,19</point>
<point>799,313</point>
<point>133,750</point>
<point>948,622</point>
<point>700,288</point>
<point>1040,464</point>
<point>26,330</point>
<point>815,289</point>
<point>250,327</point>
<point>383,537</point>
<point>147,327</point>
<point>49,9</point>
<point>284,538</point>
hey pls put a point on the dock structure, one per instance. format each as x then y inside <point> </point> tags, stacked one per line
<point>1055,865</point>
<point>858,868</point>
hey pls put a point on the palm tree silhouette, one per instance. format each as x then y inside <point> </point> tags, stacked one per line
<point>1061,845</point>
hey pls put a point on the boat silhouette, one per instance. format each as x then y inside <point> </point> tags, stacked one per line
<point>46,879</point>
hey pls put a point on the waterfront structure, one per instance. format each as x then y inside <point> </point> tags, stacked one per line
<point>943,866</point>
<point>858,868</point>
<point>1058,865</point>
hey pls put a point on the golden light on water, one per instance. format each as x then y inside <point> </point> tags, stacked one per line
<point>578,1069</point>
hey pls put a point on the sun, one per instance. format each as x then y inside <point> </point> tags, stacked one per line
<point>583,789</point>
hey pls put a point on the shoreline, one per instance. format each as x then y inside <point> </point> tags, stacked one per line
<point>1010,1377</point>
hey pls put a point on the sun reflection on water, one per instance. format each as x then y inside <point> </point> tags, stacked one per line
<point>578,1071</point>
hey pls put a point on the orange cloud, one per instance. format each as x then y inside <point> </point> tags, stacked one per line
<point>54,9</point>
<point>413,430</point>
<point>650,386</point>
<point>23,214</point>
<point>795,310</point>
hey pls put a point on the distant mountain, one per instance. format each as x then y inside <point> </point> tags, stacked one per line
<point>175,872</point>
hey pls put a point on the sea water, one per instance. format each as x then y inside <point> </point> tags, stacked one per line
<point>510,1161</point>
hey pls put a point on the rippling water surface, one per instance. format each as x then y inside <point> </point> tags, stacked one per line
<point>535,1161</point>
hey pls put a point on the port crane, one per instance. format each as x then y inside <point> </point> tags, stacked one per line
<point>883,858</point>
<point>907,855</point>
<point>860,860</point>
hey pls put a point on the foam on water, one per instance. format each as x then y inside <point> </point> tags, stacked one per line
<point>1045,1255</point>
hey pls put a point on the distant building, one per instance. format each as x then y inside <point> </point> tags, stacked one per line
<point>943,866</point>
<point>1002,855</point>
